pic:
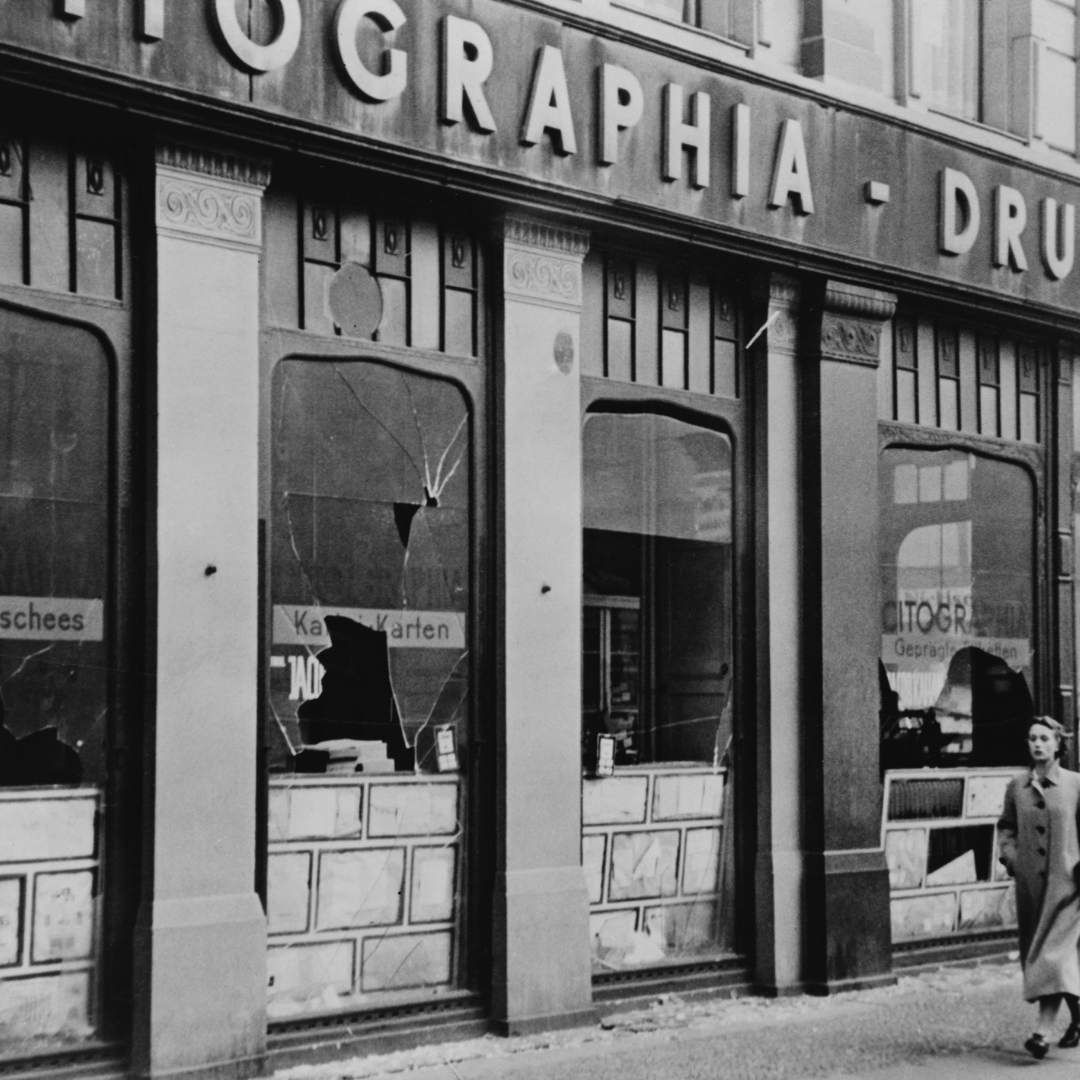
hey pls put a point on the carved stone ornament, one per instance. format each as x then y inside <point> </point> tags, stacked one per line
<point>208,209</point>
<point>851,339</point>
<point>539,234</point>
<point>543,277</point>
<point>542,262</point>
<point>196,159</point>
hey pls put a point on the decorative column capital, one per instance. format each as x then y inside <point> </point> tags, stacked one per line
<point>852,321</point>
<point>208,195</point>
<point>778,295</point>
<point>542,262</point>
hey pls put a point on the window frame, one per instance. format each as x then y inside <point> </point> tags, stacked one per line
<point>470,376</point>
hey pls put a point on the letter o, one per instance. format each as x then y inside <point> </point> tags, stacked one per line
<point>387,16</point>
<point>260,58</point>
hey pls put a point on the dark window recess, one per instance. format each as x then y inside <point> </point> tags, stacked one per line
<point>14,211</point>
<point>459,294</point>
<point>95,218</point>
<point>989,387</point>
<point>950,845</point>
<point>957,535</point>
<point>619,319</point>
<point>905,373</point>
<point>920,800</point>
<point>725,373</point>
<point>658,590</point>
<point>370,578</point>
<point>54,543</point>
<point>1028,385</point>
<point>672,328</point>
<point>947,343</point>
<point>392,268</point>
<point>674,315</point>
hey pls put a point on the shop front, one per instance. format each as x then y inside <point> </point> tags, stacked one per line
<point>497,516</point>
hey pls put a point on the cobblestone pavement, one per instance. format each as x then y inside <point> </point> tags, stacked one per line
<point>960,1023</point>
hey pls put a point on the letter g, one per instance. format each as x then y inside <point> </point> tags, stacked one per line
<point>387,16</point>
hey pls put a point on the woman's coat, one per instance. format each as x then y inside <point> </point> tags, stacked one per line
<point>1040,849</point>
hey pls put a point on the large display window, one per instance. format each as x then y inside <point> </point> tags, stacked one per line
<point>657,687</point>
<point>370,670</point>
<point>957,534</point>
<point>54,681</point>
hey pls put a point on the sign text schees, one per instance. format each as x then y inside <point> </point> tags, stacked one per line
<point>51,618</point>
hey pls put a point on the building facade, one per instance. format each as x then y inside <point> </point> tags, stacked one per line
<point>512,503</point>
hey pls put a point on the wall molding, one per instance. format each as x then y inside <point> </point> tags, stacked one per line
<point>251,172</point>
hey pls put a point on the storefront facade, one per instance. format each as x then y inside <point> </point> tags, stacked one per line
<point>507,503</point>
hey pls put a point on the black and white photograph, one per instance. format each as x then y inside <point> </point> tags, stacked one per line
<point>538,539</point>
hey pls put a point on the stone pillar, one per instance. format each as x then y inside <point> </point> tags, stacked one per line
<point>778,884</point>
<point>200,987</point>
<point>541,975</point>
<point>847,883</point>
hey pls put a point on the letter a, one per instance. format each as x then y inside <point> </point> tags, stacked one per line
<point>549,104</point>
<point>792,173</point>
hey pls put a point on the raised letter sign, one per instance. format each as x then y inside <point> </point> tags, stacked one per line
<point>260,58</point>
<point>1010,217</point>
<point>621,106</point>
<point>1058,238</point>
<point>792,174</point>
<point>549,104</point>
<point>387,16</point>
<point>693,136</point>
<point>740,150</point>
<point>958,202</point>
<point>467,59</point>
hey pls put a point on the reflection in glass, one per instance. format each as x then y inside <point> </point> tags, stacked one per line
<point>957,646</point>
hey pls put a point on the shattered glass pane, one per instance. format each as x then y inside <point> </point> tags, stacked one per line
<point>53,553</point>
<point>370,577</point>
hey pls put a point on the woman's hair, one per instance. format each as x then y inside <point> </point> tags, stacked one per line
<point>1049,722</point>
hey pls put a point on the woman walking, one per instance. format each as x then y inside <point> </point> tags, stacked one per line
<point>1040,849</point>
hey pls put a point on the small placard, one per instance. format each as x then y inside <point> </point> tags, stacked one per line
<point>63,916</point>
<point>446,749</point>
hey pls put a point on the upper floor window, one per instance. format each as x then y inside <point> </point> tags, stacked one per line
<point>711,15</point>
<point>945,55</point>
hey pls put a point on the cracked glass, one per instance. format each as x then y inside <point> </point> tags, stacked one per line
<point>53,553</point>
<point>957,535</point>
<point>369,683</point>
<point>370,558</point>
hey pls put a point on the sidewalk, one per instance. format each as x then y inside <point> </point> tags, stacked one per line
<point>950,1024</point>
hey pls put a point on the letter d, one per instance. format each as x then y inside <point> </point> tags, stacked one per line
<point>958,214</point>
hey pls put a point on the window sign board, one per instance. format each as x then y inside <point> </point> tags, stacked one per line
<point>51,618</point>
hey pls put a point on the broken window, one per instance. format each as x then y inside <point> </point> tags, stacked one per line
<point>957,539</point>
<point>54,552</point>
<point>370,567</point>
<point>657,588</point>
<point>369,682</point>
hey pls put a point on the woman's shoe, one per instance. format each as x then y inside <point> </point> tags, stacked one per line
<point>1037,1046</point>
<point>1071,1037</point>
